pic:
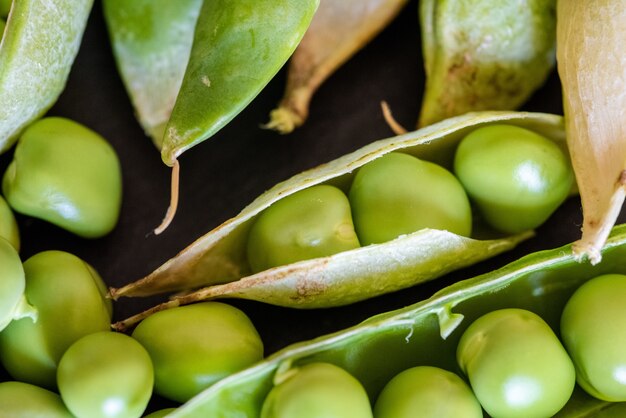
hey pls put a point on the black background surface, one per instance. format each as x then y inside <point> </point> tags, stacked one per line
<point>224,174</point>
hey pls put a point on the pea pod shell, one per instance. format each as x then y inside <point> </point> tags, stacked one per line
<point>235,53</point>
<point>220,255</point>
<point>592,67</point>
<point>483,54</point>
<point>339,29</point>
<point>40,41</point>
<point>426,332</point>
<point>151,41</point>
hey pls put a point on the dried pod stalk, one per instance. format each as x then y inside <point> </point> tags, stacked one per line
<point>592,66</point>
<point>339,29</point>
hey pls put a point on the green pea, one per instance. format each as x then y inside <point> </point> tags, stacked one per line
<point>161,413</point>
<point>516,177</point>
<point>12,284</point>
<point>314,222</point>
<point>427,392</point>
<point>70,299</point>
<point>399,194</point>
<point>194,346</point>
<point>5,6</point>
<point>516,365</point>
<point>23,400</point>
<point>106,374</point>
<point>592,328</point>
<point>2,25</point>
<point>317,390</point>
<point>8,225</point>
<point>66,174</point>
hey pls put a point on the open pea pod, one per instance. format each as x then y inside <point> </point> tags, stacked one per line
<point>484,54</point>
<point>220,256</point>
<point>426,333</point>
<point>151,41</point>
<point>39,44</point>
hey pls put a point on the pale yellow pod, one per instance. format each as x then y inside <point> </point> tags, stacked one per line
<point>591,36</point>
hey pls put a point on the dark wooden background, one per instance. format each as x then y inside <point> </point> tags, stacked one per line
<point>225,173</point>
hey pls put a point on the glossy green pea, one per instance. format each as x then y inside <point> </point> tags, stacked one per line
<point>66,174</point>
<point>427,392</point>
<point>516,177</point>
<point>69,297</point>
<point>592,328</point>
<point>311,223</point>
<point>12,284</point>
<point>106,374</point>
<point>23,400</point>
<point>317,390</point>
<point>161,413</point>
<point>516,365</point>
<point>194,346</point>
<point>8,225</point>
<point>398,194</point>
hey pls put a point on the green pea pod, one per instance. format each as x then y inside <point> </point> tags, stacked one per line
<point>238,47</point>
<point>151,42</point>
<point>426,333</point>
<point>39,44</point>
<point>484,55</point>
<point>220,255</point>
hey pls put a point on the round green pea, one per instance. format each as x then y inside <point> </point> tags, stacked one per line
<point>516,365</point>
<point>161,413</point>
<point>70,299</point>
<point>194,346</point>
<point>592,329</point>
<point>311,223</point>
<point>427,392</point>
<point>317,390</point>
<point>516,177</point>
<point>23,400</point>
<point>399,194</point>
<point>66,174</point>
<point>8,225</point>
<point>12,283</point>
<point>106,375</point>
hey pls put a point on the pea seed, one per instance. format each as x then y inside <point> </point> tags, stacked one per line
<point>317,390</point>
<point>8,226</point>
<point>23,400</point>
<point>12,282</point>
<point>399,194</point>
<point>314,222</point>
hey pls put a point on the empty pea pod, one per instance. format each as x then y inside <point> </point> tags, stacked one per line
<point>32,72</point>
<point>426,333</point>
<point>220,256</point>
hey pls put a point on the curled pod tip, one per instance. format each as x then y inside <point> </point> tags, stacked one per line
<point>592,68</point>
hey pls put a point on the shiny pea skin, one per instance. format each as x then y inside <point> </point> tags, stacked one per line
<point>8,226</point>
<point>70,299</point>
<point>516,177</point>
<point>592,329</point>
<point>317,390</point>
<point>427,392</point>
<point>516,365</point>
<point>106,375</point>
<point>23,400</point>
<point>194,346</point>
<point>399,194</point>
<point>12,283</point>
<point>311,223</point>
<point>66,174</point>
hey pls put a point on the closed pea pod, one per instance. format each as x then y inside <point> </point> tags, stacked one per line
<point>427,392</point>
<point>592,330</point>
<point>68,296</point>
<point>23,400</point>
<point>194,346</point>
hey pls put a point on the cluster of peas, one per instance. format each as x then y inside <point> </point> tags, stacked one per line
<point>515,364</point>
<point>515,177</point>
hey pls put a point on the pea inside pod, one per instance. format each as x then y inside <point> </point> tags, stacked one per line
<point>23,400</point>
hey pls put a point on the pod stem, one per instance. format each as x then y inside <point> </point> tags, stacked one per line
<point>171,210</point>
<point>597,232</point>
<point>394,125</point>
<point>135,319</point>
<point>284,120</point>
